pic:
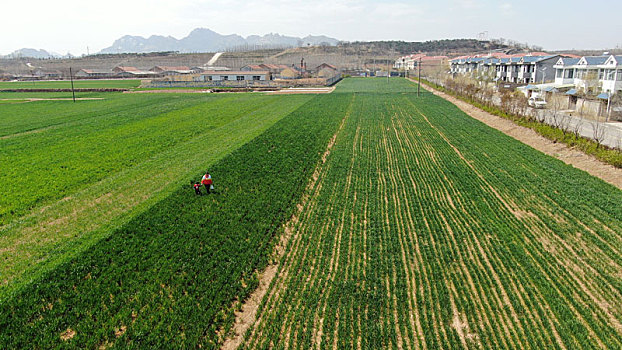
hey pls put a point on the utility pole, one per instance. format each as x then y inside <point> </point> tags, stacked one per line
<point>404,67</point>
<point>419,76</point>
<point>388,68</point>
<point>73,93</point>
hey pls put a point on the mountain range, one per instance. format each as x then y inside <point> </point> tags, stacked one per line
<point>206,40</point>
<point>33,53</point>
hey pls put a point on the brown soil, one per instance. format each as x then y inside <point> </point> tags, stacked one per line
<point>571,156</point>
<point>68,334</point>
<point>32,99</point>
<point>170,91</point>
<point>303,91</point>
<point>120,331</point>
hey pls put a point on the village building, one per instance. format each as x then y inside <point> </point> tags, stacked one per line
<point>326,70</point>
<point>132,72</point>
<point>411,62</point>
<point>591,74</point>
<point>201,69</point>
<point>253,67</point>
<point>94,73</point>
<point>517,69</point>
<point>290,73</point>
<point>6,76</point>
<point>239,76</point>
<point>167,70</point>
<point>48,74</point>
<point>274,69</point>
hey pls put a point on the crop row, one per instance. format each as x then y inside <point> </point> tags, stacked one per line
<point>172,274</point>
<point>428,229</point>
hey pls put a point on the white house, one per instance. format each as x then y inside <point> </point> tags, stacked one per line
<point>523,69</point>
<point>564,70</point>
<point>466,65</point>
<point>596,73</point>
<point>408,62</point>
<point>233,76</point>
<point>612,74</point>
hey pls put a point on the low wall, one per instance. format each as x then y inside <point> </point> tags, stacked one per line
<point>588,107</point>
<point>280,83</point>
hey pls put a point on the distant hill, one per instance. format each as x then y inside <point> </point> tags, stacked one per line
<point>205,40</point>
<point>440,47</point>
<point>33,53</point>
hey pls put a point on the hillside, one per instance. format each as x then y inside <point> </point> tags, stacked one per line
<point>206,40</point>
<point>355,55</point>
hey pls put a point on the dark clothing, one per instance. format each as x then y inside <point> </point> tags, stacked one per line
<point>197,189</point>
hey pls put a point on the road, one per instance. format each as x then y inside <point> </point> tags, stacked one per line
<point>610,133</point>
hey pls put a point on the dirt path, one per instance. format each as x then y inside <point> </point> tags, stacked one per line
<point>32,99</point>
<point>576,158</point>
<point>170,91</point>
<point>325,90</point>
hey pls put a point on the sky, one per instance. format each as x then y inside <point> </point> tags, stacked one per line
<point>73,26</point>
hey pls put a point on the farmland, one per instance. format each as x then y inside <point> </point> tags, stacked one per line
<point>79,170</point>
<point>188,253</point>
<point>418,228</point>
<point>66,84</point>
<point>427,229</point>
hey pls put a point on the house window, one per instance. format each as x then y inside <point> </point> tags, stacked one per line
<point>569,73</point>
<point>601,73</point>
<point>619,77</point>
<point>580,73</point>
<point>224,77</point>
<point>609,74</point>
<point>256,77</point>
<point>559,73</point>
<point>239,78</point>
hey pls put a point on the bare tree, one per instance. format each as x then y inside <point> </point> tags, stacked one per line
<point>539,115</point>
<point>558,119</point>
<point>576,127</point>
<point>598,132</point>
<point>615,108</point>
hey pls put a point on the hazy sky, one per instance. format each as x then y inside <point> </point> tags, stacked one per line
<point>71,26</point>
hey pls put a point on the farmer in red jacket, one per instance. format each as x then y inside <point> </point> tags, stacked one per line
<point>207,182</point>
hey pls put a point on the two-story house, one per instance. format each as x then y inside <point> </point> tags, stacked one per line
<point>590,73</point>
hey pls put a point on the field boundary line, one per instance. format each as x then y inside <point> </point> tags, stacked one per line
<point>570,156</point>
<point>248,313</point>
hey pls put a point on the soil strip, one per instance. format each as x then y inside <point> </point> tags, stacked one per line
<point>291,91</point>
<point>32,99</point>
